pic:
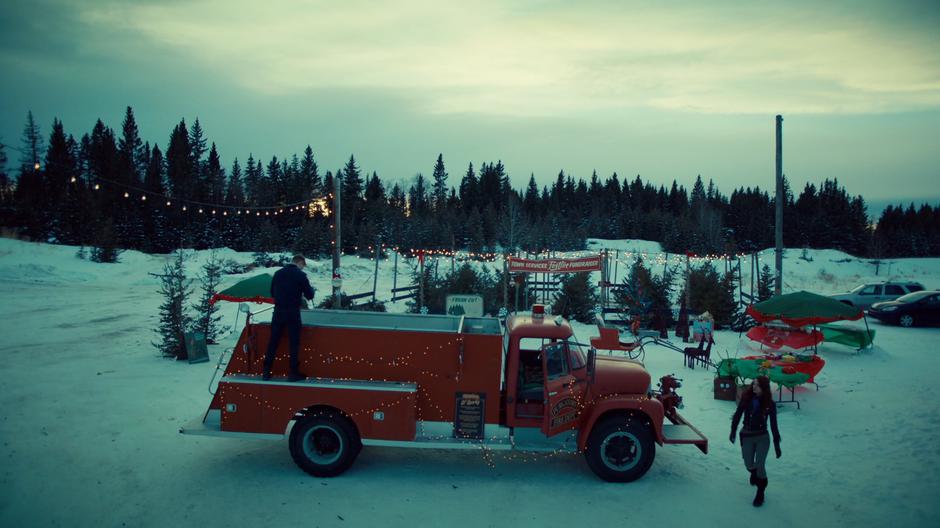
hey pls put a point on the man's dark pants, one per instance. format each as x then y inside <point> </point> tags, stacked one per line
<point>284,320</point>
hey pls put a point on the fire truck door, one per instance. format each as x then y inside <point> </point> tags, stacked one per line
<point>563,391</point>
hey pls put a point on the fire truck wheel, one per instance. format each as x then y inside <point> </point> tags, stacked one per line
<point>620,449</point>
<point>324,445</point>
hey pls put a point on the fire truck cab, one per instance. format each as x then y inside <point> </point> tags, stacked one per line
<point>443,382</point>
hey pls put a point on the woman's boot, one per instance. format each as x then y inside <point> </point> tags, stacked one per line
<point>753,477</point>
<point>761,486</point>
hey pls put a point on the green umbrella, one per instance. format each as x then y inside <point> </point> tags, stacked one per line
<point>253,289</point>
<point>803,309</point>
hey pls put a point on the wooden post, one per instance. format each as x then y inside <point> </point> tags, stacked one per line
<point>395,274</point>
<point>778,227</point>
<point>753,270</point>
<point>375,276</point>
<point>506,281</point>
<point>420,279</point>
<point>688,294</point>
<point>616,264</point>
<point>337,240</point>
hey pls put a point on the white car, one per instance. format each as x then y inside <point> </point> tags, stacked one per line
<point>865,295</point>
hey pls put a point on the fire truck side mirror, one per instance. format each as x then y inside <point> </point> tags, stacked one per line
<point>244,308</point>
<point>591,363</point>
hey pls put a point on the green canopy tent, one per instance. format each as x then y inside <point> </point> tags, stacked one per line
<point>254,289</point>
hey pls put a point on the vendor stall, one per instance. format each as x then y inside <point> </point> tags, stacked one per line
<point>783,373</point>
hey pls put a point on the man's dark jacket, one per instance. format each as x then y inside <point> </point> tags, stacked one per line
<point>287,286</point>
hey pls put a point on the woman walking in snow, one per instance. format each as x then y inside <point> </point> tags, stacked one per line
<point>757,405</point>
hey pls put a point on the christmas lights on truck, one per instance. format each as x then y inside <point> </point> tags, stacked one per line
<point>445,382</point>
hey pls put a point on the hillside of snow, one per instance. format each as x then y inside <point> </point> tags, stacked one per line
<point>89,418</point>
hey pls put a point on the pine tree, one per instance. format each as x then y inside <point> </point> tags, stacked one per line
<point>32,144</point>
<point>418,197</point>
<point>197,143</point>
<point>175,289</point>
<point>214,177</point>
<point>646,296</point>
<point>439,187</point>
<point>765,283</point>
<point>130,150</point>
<point>351,204</point>
<point>59,178</point>
<point>105,244</point>
<point>531,201</point>
<point>30,187</point>
<point>709,292</point>
<point>252,181</point>
<point>469,190</point>
<point>577,298</point>
<point>207,317</point>
<point>268,237</point>
<point>155,217</point>
<point>310,174</point>
<point>6,189</point>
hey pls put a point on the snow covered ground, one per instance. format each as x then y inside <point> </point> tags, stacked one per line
<point>89,415</point>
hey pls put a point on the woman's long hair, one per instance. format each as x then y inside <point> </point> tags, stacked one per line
<point>766,397</point>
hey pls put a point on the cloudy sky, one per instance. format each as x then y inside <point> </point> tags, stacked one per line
<point>612,86</point>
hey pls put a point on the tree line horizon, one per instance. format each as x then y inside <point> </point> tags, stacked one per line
<point>72,191</point>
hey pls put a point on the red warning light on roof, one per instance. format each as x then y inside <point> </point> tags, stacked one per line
<point>538,311</point>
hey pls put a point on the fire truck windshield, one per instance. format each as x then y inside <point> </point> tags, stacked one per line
<point>576,354</point>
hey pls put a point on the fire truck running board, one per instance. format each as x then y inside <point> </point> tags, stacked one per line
<point>211,425</point>
<point>440,443</point>
<point>684,434</point>
<point>679,434</point>
<point>436,435</point>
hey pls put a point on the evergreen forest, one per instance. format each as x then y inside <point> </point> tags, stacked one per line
<point>111,189</point>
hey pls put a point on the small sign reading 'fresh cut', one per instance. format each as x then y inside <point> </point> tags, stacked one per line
<point>469,305</point>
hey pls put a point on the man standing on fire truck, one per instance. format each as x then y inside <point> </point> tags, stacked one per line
<point>287,287</point>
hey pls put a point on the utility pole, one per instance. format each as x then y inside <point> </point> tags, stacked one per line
<point>778,226</point>
<point>337,240</point>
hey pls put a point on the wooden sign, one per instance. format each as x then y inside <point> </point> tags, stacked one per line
<point>470,415</point>
<point>555,265</point>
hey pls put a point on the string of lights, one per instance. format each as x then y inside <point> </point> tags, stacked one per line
<point>313,206</point>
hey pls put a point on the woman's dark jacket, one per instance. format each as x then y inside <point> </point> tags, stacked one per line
<point>755,422</point>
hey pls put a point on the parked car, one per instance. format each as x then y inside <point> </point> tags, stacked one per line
<point>919,308</point>
<point>865,295</point>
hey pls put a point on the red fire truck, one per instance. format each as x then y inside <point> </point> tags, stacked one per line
<point>444,382</point>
